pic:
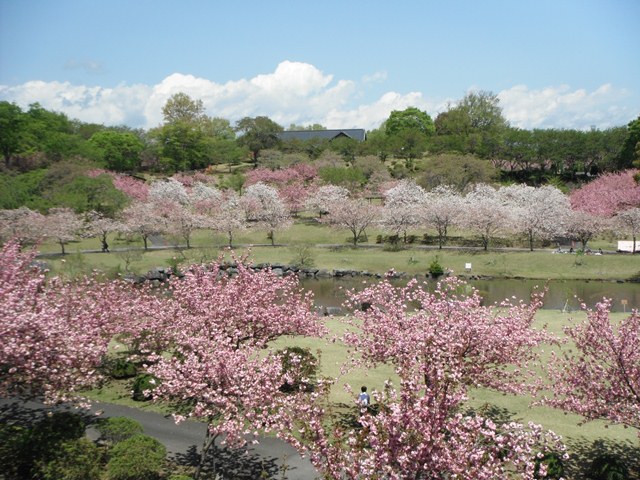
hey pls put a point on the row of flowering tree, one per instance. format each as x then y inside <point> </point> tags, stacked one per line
<point>181,205</point>
<point>206,341</point>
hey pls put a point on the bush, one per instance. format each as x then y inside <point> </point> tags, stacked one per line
<point>116,429</point>
<point>301,364</point>
<point>123,369</point>
<point>143,383</point>
<point>608,467</point>
<point>75,460</point>
<point>435,269</point>
<point>137,458</point>
<point>180,477</point>
<point>553,462</point>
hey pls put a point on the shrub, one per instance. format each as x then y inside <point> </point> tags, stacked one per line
<point>554,464</point>
<point>123,369</point>
<point>116,429</point>
<point>143,383</point>
<point>180,477</point>
<point>608,467</point>
<point>78,459</point>
<point>435,269</point>
<point>137,458</point>
<point>302,365</point>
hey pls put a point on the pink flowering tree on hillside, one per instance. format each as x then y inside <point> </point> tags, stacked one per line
<point>608,194</point>
<point>216,326</point>
<point>54,334</point>
<point>142,218</point>
<point>446,345</point>
<point>582,227</point>
<point>599,377</point>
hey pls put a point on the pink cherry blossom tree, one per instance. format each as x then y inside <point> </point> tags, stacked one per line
<point>582,227</point>
<point>403,207</point>
<point>538,212</point>
<point>142,218</point>
<point>628,221</point>
<point>265,209</point>
<point>169,189</point>
<point>206,347</point>
<point>599,375</point>
<point>321,200</point>
<point>22,225</point>
<point>355,215</point>
<point>447,344</point>
<point>54,334</point>
<point>608,194</point>
<point>100,226</point>
<point>63,225</point>
<point>443,209</point>
<point>485,213</point>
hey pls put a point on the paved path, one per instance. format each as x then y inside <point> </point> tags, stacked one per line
<point>278,459</point>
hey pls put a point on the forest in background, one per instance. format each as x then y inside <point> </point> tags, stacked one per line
<point>46,154</point>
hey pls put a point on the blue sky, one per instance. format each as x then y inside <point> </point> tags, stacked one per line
<point>558,64</point>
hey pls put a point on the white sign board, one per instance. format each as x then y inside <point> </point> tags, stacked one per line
<point>627,246</point>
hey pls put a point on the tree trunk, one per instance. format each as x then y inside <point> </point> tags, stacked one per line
<point>206,445</point>
<point>62,245</point>
<point>230,239</point>
<point>144,239</point>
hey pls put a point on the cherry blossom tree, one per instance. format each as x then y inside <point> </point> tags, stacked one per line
<point>63,225</point>
<point>321,200</point>
<point>402,208</point>
<point>443,208</point>
<point>265,209</point>
<point>169,189</point>
<point>447,344</point>
<point>216,325</point>
<point>54,334</point>
<point>608,194</point>
<point>179,220</point>
<point>22,225</point>
<point>629,222</point>
<point>485,213</point>
<point>142,218</point>
<point>225,215</point>
<point>100,226</point>
<point>599,375</point>
<point>582,227</point>
<point>539,212</point>
<point>355,215</point>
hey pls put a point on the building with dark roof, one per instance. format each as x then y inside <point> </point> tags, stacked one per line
<point>357,134</point>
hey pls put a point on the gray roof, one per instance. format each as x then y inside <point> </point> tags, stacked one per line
<point>303,135</point>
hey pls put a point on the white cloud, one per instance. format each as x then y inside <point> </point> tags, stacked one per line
<point>300,93</point>
<point>562,107</point>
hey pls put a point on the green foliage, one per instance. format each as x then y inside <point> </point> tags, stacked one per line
<point>554,464</point>
<point>122,368</point>
<point>435,269</point>
<point>348,177</point>
<point>143,382</point>
<point>608,467</point>
<point>410,118</point>
<point>25,451</point>
<point>456,170</point>
<point>302,365</point>
<point>180,477</point>
<point>22,189</point>
<point>119,150</point>
<point>78,459</point>
<point>137,458</point>
<point>117,429</point>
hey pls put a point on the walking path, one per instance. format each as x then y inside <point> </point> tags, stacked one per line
<point>272,456</point>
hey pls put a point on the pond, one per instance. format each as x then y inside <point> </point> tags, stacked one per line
<point>562,294</point>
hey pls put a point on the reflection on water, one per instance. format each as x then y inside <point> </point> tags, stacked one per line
<point>329,292</point>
